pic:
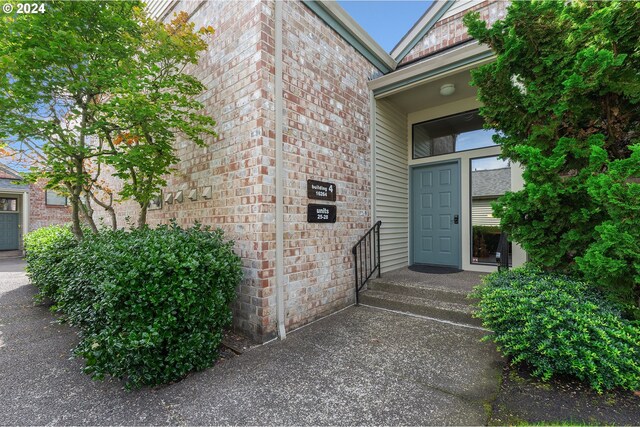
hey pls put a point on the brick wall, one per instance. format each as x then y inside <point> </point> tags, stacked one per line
<point>235,164</point>
<point>450,31</point>
<point>326,136</point>
<point>41,215</point>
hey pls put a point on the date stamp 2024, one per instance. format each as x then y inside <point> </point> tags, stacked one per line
<point>24,8</point>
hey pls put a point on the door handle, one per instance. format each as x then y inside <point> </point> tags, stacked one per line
<point>455,219</point>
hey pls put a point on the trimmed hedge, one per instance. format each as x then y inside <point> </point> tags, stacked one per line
<point>558,325</point>
<point>45,248</point>
<point>150,303</point>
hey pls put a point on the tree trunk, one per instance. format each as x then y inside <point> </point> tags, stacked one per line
<point>76,189</point>
<point>142,217</point>
<point>114,219</point>
<point>75,217</point>
<point>108,208</point>
<point>87,210</point>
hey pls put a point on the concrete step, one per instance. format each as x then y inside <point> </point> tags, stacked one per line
<point>10,254</point>
<point>422,290</point>
<point>439,309</point>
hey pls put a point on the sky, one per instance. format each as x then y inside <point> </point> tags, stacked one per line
<point>386,21</point>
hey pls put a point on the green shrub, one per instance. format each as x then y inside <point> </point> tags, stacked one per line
<point>613,259</point>
<point>150,303</point>
<point>563,95</point>
<point>560,326</point>
<point>45,248</point>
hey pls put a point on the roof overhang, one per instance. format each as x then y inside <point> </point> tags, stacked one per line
<point>340,21</point>
<point>7,173</point>
<point>159,9</point>
<point>11,186</point>
<point>464,57</point>
<point>13,191</point>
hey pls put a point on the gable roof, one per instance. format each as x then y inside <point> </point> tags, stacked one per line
<point>469,55</point>
<point>433,14</point>
<point>7,173</point>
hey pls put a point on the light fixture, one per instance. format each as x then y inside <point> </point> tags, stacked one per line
<point>447,89</point>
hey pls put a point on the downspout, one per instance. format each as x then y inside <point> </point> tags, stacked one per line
<point>25,218</point>
<point>279,181</point>
<point>372,144</point>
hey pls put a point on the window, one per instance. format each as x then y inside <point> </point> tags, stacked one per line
<point>8,204</point>
<point>54,199</point>
<point>490,179</point>
<point>451,134</point>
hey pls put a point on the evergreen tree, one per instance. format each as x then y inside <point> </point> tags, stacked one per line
<point>564,94</point>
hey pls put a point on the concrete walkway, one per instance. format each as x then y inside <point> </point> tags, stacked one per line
<point>359,366</point>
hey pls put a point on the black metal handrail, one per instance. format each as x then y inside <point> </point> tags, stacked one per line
<point>368,260</point>
<point>502,252</point>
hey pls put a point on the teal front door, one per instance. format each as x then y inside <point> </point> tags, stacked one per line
<point>9,231</point>
<point>435,213</point>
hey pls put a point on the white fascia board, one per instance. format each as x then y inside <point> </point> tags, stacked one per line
<point>465,56</point>
<point>335,11</point>
<point>13,192</point>
<point>158,9</point>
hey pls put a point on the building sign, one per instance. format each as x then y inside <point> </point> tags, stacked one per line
<point>321,213</point>
<point>321,190</point>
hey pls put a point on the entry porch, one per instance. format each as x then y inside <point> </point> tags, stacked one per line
<point>436,169</point>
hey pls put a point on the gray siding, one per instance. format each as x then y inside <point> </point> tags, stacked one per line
<point>10,185</point>
<point>392,184</point>
<point>482,214</point>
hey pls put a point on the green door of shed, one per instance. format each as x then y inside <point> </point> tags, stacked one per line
<point>9,231</point>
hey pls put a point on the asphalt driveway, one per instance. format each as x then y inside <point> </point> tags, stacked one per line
<point>359,366</point>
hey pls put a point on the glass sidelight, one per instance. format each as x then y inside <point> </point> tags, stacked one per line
<point>490,179</point>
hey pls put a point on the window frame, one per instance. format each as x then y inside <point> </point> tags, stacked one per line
<point>413,156</point>
<point>46,200</point>
<point>470,253</point>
